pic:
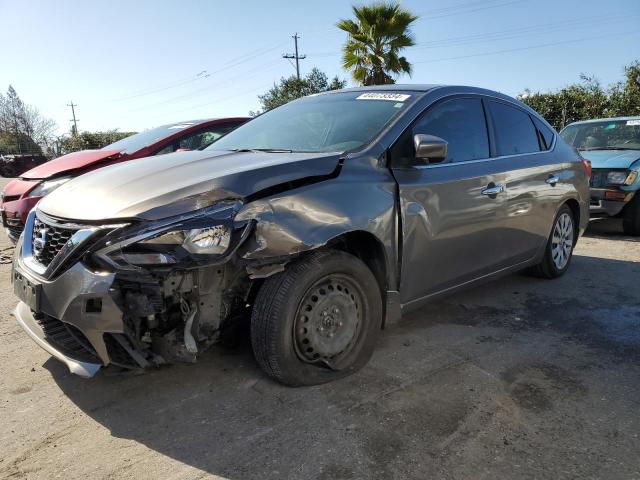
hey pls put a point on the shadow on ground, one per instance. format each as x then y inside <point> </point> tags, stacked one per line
<point>506,378</point>
<point>609,229</point>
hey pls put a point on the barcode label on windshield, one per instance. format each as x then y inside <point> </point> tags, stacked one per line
<point>391,97</point>
<point>633,122</point>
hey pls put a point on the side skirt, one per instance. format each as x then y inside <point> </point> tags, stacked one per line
<point>420,302</point>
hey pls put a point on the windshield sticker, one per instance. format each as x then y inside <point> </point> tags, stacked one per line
<point>182,125</point>
<point>391,97</point>
<point>633,122</point>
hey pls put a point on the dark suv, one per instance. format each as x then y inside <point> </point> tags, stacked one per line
<point>322,220</point>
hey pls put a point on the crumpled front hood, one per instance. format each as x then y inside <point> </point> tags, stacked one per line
<point>611,158</point>
<point>166,185</point>
<point>71,161</point>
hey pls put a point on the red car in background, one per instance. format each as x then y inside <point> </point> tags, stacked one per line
<point>21,194</point>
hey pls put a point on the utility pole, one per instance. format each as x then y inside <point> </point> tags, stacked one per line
<point>74,130</point>
<point>295,56</point>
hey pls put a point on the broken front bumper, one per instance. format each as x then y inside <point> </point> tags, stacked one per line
<point>73,317</point>
<point>608,202</point>
<point>26,320</point>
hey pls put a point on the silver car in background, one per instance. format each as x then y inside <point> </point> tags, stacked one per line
<point>319,222</point>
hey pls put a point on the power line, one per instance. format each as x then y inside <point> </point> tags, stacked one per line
<point>295,56</point>
<point>531,47</point>
<point>513,33</point>
<point>220,100</point>
<point>442,14</point>
<point>459,9</point>
<point>74,131</point>
<point>262,68</point>
<point>203,74</point>
<point>141,93</point>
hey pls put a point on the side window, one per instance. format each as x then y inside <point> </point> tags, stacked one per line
<point>205,138</point>
<point>461,123</point>
<point>197,140</point>
<point>546,134</point>
<point>514,130</point>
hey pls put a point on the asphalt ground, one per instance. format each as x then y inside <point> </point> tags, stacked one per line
<point>519,378</point>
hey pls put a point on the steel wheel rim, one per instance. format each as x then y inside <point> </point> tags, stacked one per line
<point>328,321</point>
<point>562,241</point>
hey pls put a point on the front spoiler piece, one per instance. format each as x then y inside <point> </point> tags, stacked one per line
<point>25,319</point>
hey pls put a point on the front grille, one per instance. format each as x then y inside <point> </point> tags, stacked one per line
<point>67,338</point>
<point>13,225</point>
<point>598,178</point>
<point>118,354</point>
<point>48,240</point>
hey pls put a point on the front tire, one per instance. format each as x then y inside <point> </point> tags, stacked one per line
<point>318,320</point>
<point>559,249</point>
<point>631,216</point>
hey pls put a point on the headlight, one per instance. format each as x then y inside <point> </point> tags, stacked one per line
<point>201,237</point>
<point>48,186</point>
<point>210,240</point>
<point>616,178</point>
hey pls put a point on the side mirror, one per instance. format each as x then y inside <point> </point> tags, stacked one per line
<point>429,148</point>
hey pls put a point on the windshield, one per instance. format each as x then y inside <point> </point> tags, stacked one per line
<point>605,135</point>
<point>143,139</point>
<point>334,122</point>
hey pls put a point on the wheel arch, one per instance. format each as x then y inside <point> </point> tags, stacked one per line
<point>574,206</point>
<point>368,248</point>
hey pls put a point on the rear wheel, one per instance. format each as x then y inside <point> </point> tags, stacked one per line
<point>631,216</point>
<point>318,320</point>
<point>560,245</point>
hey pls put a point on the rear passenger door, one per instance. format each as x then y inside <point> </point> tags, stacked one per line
<point>452,227</point>
<point>523,142</point>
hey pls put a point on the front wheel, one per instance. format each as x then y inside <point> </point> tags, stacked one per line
<point>318,320</point>
<point>559,249</point>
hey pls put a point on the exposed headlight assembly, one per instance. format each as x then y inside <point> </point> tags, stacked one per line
<point>621,177</point>
<point>206,241</point>
<point>205,236</point>
<point>48,186</point>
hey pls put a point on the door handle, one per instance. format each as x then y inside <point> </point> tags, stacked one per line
<point>492,190</point>
<point>552,180</point>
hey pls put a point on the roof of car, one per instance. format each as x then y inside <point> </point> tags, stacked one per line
<point>390,88</point>
<point>608,119</point>
<point>424,88</point>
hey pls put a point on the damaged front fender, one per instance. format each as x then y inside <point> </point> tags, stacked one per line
<point>359,199</point>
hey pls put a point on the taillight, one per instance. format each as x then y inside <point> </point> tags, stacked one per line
<point>587,167</point>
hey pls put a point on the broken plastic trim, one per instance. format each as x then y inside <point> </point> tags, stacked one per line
<point>126,240</point>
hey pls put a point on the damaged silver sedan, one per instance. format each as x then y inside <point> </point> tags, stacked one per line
<point>320,222</point>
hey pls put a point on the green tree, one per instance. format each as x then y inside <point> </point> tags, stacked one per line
<point>376,38</point>
<point>22,128</point>
<point>91,140</point>
<point>588,99</point>
<point>625,95</point>
<point>293,87</point>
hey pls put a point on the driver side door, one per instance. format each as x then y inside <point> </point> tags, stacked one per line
<point>452,227</point>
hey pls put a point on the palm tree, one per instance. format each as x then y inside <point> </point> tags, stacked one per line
<point>372,51</point>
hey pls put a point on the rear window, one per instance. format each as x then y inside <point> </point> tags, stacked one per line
<point>546,134</point>
<point>514,130</point>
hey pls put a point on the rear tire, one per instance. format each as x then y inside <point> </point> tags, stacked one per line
<point>559,249</point>
<point>318,320</point>
<point>631,216</point>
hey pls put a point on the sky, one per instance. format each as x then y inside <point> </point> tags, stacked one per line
<point>135,65</point>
